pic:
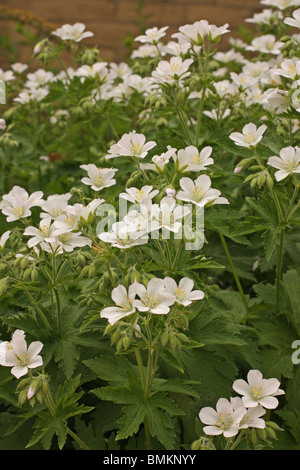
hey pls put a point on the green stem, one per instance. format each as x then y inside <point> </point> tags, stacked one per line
<point>279,267</point>
<point>37,309</point>
<point>293,211</point>
<point>141,367</point>
<point>184,124</point>
<point>238,440</point>
<point>162,253</point>
<point>201,104</point>
<point>56,293</point>
<point>178,252</point>
<point>77,439</point>
<point>236,278</point>
<point>31,299</point>
<point>50,404</point>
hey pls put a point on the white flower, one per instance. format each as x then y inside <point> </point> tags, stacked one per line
<point>138,83</point>
<point>199,192</point>
<point>250,136</point>
<point>3,239</point>
<point>139,195</point>
<point>267,44</point>
<point>258,391</point>
<point>294,22</point>
<point>141,220</point>
<point>17,203</point>
<point>55,205</point>
<point>183,291</point>
<point>168,213</point>
<point>18,67</point>
<point>97,70</point>
<point>281,4</point>
<point>121,70</point>
<point>194,33</point>
<point>224,420</point>
<point>42,234</point>
<point>190,159</point>
<point>73,32</point>
<point>6,76</point>
<point>159,161</point>
<point>146,50</point>
<point>17,355</point>
<point>152,35</point>
<point>287,163</point>
<point>124,304</point>
<point>215,32</point>
<point>2,124</point>
<point>123,236</point>
<point>74,216</point>
<point>131,145</point>
<point>267,16</point>
<point>229,56</point>
<point>154,298</point>
<point>252,418</point>
<point>225,87</point>
<point>68,241</point>
<point>175,48</point>
<point>290,68</point>
<point>243,80</point>
<point>173,71</point>
<point>38,78</point>
<point>216,115</point>
<point>98,178</point>
<point>86,213</point>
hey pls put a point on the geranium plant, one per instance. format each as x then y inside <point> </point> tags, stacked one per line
<point>149,241</point>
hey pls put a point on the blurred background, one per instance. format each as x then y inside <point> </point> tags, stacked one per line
<point>114,22</point>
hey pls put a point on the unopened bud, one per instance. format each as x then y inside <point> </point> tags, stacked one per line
<point>30,392</point>
<point>237,170</point>
<point>170,192</point>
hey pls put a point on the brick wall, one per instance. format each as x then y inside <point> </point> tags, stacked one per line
<point>112,20</point>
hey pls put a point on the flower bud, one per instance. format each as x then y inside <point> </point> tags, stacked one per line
<point>238,169</point>
<point>261,434</point>
<point>271,433</point>
<point>253,436</point>
<point>170,192</point>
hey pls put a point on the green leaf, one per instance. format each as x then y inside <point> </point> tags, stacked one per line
<point>111,369</point>
<point>175,386</point>
<point>161,426</point>
<point>291,283</point>
<point>131,420</point>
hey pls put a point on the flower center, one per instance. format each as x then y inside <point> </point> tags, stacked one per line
<point>249,138</point>
<point>197,192</point>
<point>180,293</point>
<point>292,69</point>
<point>125,305</point>
<point>196,159</point>
<point>18,211</point>
<point>175,67</point>
<point>257,393</point>
<point>224,421</point>
<point>139,194</point>
<point>65,237</point>
<point>23,359</point>
<point>44,230</point>
<point>151,301</point>
<point>98,179</point>
<point>69,220</point>
<point>136,147</point>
